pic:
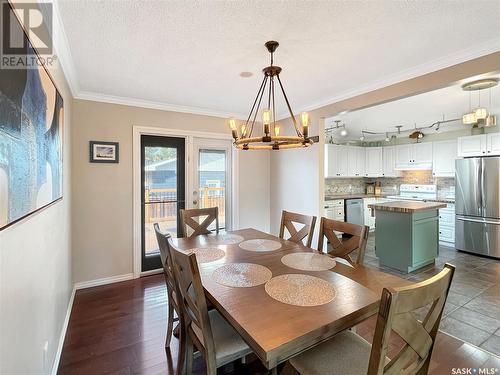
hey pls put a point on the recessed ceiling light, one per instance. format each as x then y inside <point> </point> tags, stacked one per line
<point>342,113</point>
<point>246,74</point>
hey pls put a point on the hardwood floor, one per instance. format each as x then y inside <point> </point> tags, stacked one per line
<point>120,329</point>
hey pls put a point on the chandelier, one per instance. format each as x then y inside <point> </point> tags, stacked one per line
<point>271,138</point>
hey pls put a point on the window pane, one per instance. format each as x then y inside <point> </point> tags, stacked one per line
<point>160,194</point>
<point>212,182</point>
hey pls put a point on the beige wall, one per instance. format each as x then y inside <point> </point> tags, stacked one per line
<point>102,193</point>
<point>35,275</point>
<point>306,194</point>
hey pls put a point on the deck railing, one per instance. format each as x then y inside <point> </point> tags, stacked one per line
<point>161,203</point>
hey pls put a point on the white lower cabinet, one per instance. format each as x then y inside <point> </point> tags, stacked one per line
<point>369,219</point>
<point>447,225</point>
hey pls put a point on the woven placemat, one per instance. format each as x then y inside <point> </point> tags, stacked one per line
<point>207,254</point>
<point>224,239</point>
<point>308,261</point>
<point>242,275</point>
<point>300,290</point>
<point>260,245</point>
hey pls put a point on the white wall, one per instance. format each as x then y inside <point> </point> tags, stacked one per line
<point>35,274</point>
<point>296,180</point>
<point>254,185</point>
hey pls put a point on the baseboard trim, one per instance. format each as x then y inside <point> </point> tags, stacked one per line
<point>151,272</point>
<point>62,336</point>
<point>104,281</point>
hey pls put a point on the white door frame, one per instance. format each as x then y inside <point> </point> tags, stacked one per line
<point>188,135</point>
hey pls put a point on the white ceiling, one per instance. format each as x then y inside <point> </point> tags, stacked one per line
<point>187,55</point>
<point>419,110</point>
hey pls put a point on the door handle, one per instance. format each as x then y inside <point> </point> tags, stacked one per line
<point>195,202</point>
<point>480,221</point>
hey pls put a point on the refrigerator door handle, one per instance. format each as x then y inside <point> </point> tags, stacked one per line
<point>483,200</point>
<point>478,189</point>
<point>481,221</point>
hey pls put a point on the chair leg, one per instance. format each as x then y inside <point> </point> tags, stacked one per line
<point>170,325</point>
<point>288,369</point>
<point>181,357</point>
<point>189,355</point>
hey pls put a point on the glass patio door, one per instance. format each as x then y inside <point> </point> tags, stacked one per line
<point>163,192</point>
<point>212,178</point>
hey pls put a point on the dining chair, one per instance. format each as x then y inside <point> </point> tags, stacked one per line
<point>206,330</point>
<point>188,220</point>
<point>343,249</point>
<point>287,222</point>
<point>168,273</point>
<point>349,354</point>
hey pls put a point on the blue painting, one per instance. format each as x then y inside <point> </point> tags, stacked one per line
<point>31,134</point>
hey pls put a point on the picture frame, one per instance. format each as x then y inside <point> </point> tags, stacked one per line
<point>104,152</point>
<point>29,184</point>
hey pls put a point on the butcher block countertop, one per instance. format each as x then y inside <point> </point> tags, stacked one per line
<point>332,197</point>
<point>408,207</point>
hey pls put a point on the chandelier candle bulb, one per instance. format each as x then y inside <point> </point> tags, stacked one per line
<point>232,125</point>
<point>266,120</point>
<point>305,123</point>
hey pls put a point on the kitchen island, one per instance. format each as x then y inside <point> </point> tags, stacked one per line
<point>407,233</point>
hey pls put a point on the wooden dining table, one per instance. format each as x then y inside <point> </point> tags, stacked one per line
<point>277,331</point>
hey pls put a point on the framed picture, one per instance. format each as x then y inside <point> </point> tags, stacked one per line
<point>31,135</point>
<point>104,152</point>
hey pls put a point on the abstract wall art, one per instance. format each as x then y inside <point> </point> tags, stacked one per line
<point>31,140</point>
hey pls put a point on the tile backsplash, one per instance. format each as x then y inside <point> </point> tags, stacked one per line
<point>446,185</point>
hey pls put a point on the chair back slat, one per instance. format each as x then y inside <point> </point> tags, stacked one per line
<point>287,222</point>
<point>419,337</point>
<point>189,224</point>
<point>166,262</point>
<point>192,301</point>
<point>343,249</point>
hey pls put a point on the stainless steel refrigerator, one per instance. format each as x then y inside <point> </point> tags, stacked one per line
<point>477,205</point>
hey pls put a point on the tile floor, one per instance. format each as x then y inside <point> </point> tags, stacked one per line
<point>472,312</point>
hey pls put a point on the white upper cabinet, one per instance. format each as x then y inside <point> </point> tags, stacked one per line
<point>389,158</point>
<point>374,162</point>
<point>472,146</point>
<point>422,152</point>
<point>479,145</point>
<point>403,155</point>
<point>356,161</point>
<point>444,155</point>
<point>493,144</point>
<point>336,161</point>
<point>414,156</point>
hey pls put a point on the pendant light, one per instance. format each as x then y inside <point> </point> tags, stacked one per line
<point>270,138</point>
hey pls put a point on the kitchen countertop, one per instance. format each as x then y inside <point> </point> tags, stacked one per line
<point>353,196</point>
<point>407,206</point>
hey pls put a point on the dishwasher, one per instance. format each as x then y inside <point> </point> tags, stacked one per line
<point>354,211</point>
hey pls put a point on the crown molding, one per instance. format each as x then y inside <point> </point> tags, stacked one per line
<point>456,58</point>
<point>134,102</point>
<point>61,45</point>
